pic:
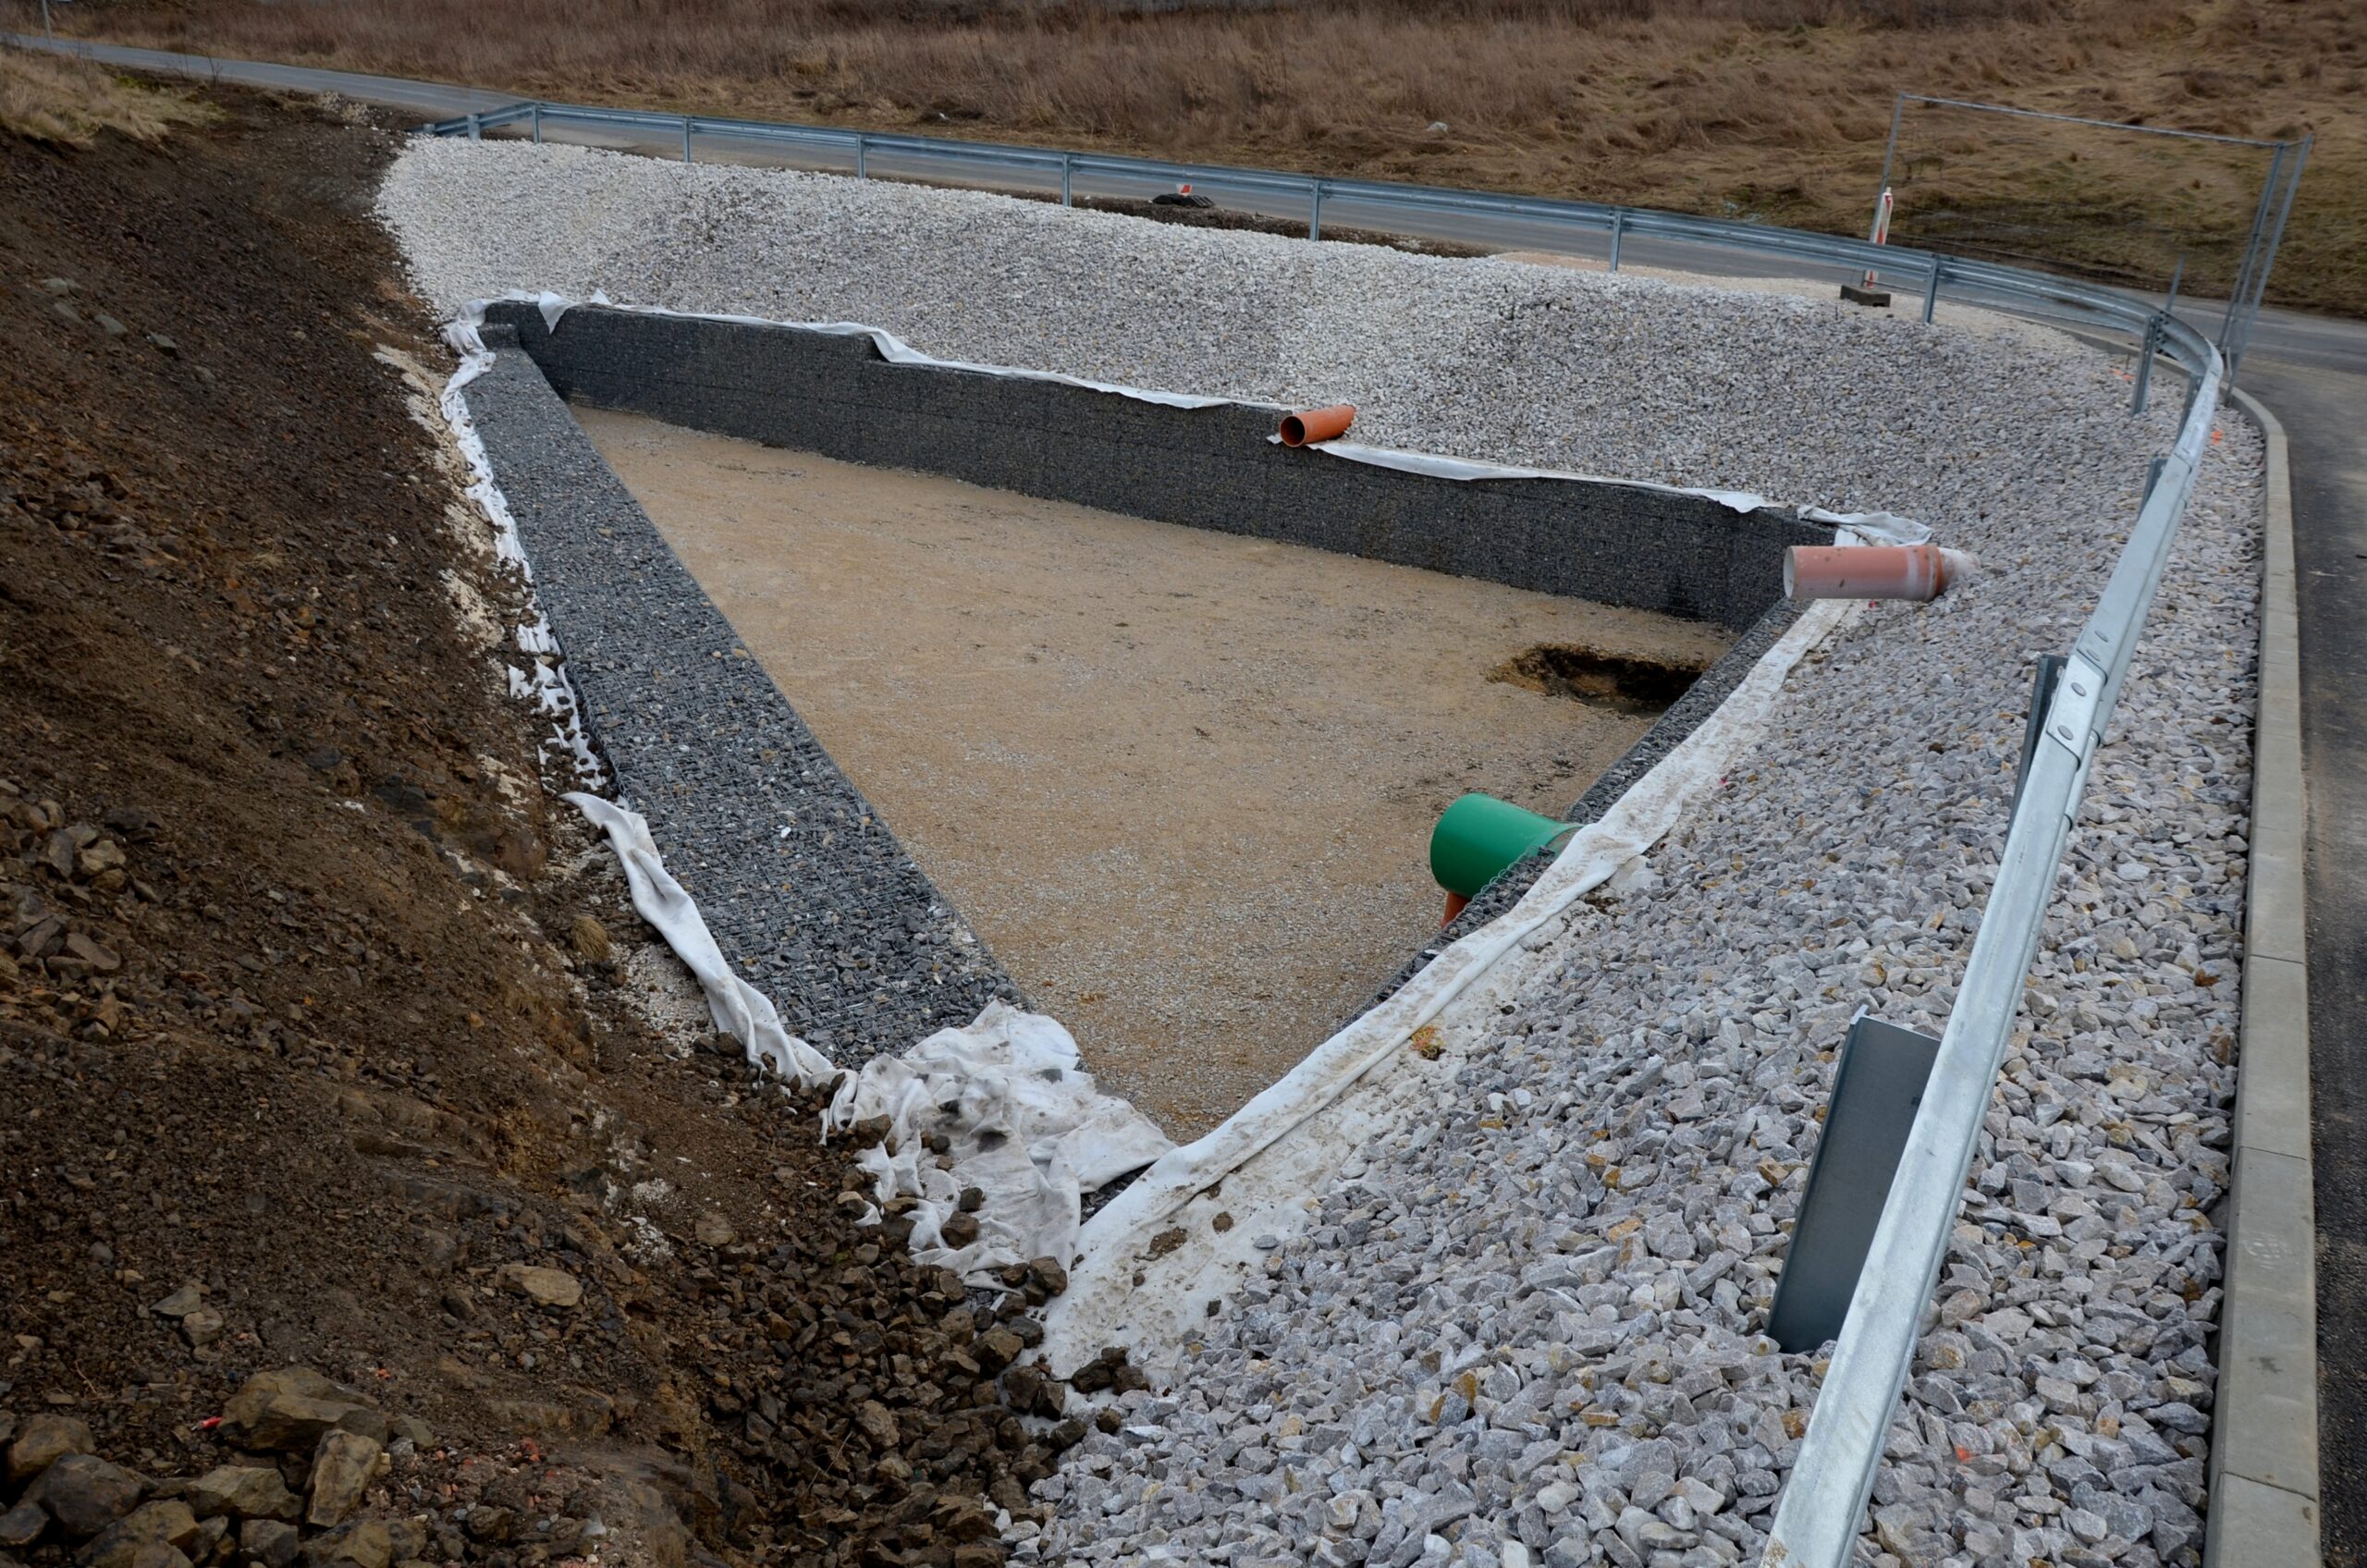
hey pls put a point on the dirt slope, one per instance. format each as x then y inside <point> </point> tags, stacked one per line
<point>308,996</point>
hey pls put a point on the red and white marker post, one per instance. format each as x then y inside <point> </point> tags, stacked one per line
<point>1881,231</point>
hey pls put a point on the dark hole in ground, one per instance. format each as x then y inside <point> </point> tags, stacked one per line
<point>1598,680</point>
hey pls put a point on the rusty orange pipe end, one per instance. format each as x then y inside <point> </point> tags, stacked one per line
<point>1919,573</point>
<point>1317,425</point>
<point>1455,904</point>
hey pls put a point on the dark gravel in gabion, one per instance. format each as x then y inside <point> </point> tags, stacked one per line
<point>809,894</point>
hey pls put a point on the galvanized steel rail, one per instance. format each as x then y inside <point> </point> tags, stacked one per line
<point>1005,166</point>
<point>1823,1508</point>
<point>1824,1504</point>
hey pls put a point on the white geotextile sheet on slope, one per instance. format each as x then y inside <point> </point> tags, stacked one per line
<point>1299,1128</point>
<point>1883,525</point>
<point>737,1009</point>
<point>892,348</point>
<point>1023,1124</point>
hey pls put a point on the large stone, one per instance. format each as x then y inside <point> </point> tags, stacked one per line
<point>180,1304</point>
<point>341,1472</point>
<point>248,1491</point>
<point>544,1287</point>
<point>43,1441</point>
<point>289,1409</point>
<point>21,1525</point>
<point>366,1543</point>
<point>85,1494</point>
<point>168,1522</point>
<point>292,1423</point>
<point>270,1542</point>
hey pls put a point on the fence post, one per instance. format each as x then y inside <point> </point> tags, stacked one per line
<point>1931,287</point>
<point>534,118</point>
<point>476,126</point>
<point>2252,250</point>
<point>686,138</point>
<point>2268,259</point>
<point>1890,150</point>
<point>1064,180</point>
<point>1315,209</point>
<point>862,170</point>
<point>1618,228</point>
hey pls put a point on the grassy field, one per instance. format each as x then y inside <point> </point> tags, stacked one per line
<point>64,102</point>
<point>1772,108</point>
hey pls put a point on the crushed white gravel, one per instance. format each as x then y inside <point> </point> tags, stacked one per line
<point>1527,1331</point>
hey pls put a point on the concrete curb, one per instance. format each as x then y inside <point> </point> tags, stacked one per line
<point>2264,1506</point>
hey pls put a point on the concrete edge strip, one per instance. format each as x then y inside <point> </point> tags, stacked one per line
<point>2263,1474</point>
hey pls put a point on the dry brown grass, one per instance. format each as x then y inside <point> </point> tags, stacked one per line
<point>64,102</point>
<point>1771,107</point>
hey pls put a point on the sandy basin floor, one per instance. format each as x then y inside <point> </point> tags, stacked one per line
<point>1182,782</point>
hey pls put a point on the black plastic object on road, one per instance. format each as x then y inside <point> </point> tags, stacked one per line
<point>1876,1092</point>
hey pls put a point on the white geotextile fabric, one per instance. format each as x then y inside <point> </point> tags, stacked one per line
<point>1024,1125</point>
<point>891,348</point>
<point>1023,1122</point>
<point>548,687</point>
<point>739,1008</point>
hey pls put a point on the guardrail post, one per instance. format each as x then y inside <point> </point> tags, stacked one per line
<point>686,138</point>
<point>2145,350</point>
<point>1931,287</point>
<point>1065,172</point>
<point>861,143</point>
<point>1315,209</point>
<point>476,126</point>
<point>1618,228</point>
<point>534,118</point>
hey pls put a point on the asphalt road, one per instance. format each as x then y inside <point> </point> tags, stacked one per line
<point>2309,369</point>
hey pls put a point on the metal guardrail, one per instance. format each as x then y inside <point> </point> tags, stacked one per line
<point>1818,1517</point>
<point>1007,165</point>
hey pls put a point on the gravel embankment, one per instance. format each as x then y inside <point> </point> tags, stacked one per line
<point>1802,400</point>
<point>1528,1329</point>
<point>1531,1330</point>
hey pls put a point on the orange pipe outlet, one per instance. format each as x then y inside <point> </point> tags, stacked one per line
<point>1920,572</point>
<point>1455,904</point>
<point>1317,425</point>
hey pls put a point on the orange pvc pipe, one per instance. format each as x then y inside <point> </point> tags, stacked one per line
<point>1317,425</point>
<point>1455,904</point>
<point>1919,573</point>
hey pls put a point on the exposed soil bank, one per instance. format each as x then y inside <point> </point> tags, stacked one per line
<point>1181,782</point>
<point>316,1039</point>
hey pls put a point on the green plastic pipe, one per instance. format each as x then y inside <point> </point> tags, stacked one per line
<point>1479,835</point>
